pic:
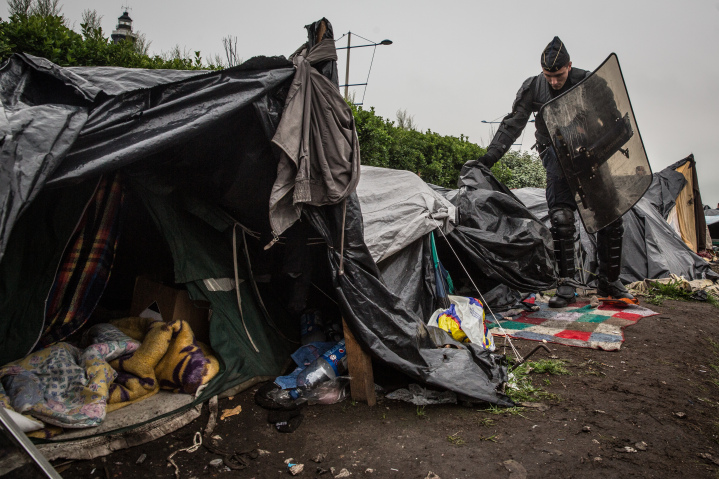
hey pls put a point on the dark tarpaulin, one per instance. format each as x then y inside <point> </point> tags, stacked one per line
<point>59,127</point>
<point>409,274</point>
<point>501,242</point>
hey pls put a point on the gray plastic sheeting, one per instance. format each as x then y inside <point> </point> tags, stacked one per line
<point>398,208</point>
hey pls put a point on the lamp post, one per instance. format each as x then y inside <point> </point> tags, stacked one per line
<point>513,144</point>
<point>347,70</point>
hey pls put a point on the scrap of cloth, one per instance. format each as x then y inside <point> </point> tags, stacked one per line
<point>579,325</point>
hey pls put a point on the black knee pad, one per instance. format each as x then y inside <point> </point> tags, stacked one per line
<point>562,220</point>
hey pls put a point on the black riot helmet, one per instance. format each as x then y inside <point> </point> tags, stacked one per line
<point>555,55</point>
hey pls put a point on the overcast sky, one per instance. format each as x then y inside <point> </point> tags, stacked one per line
<point>456,63</point>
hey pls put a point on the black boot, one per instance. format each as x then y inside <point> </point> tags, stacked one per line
<point>565,296</point>
<point>614,290</point>
<point>609,254</point>
<point>563,232</point>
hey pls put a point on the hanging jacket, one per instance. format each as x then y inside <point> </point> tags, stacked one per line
<point>319,150</point>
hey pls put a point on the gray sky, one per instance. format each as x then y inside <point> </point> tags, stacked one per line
<point>455,63</point>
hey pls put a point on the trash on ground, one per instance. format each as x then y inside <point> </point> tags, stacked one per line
<point>420,396</point>
<point>295,468</point>
<point>230,412</point>
<point>141,459</point>
<point>464,320</point>
<point>627,449</point>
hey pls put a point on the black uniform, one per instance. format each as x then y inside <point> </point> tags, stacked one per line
<point>534,93</point>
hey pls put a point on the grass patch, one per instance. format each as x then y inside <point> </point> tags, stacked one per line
<point>421,413</point>
<point>521,388</point>
<point>548,366</point>
<point>486,422</point>
<point>455,440</point>
<point>492,438</point>
<point>510,411</point>
<point>658,292</point>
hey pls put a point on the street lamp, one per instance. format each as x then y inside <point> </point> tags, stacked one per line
<point>348,48</point>
<point>513,144</point>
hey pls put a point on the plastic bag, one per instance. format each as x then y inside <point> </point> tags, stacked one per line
<point>464,320</point>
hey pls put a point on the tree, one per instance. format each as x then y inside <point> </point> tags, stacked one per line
<point>91,21</point>
<point>405,120</point>
<point>230,45</point>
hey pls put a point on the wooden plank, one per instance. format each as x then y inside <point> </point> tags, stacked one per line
<point>359,364</point>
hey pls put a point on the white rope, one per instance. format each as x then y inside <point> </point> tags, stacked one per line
<point>237,285</point>
<point>503,331</point>
<point>196,443</point>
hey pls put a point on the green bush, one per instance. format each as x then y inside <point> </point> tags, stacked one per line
<point>48,36</point>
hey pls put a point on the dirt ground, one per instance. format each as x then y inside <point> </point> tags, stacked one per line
<point>657,396</point>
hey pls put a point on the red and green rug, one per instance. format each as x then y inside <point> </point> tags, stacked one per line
<point>579,325</point>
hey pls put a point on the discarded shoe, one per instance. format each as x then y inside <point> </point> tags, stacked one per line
<point>565,296</point>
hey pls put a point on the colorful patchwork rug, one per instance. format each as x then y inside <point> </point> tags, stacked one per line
<point>579,325</point>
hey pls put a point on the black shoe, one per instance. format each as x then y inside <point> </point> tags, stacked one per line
<point>564,297</point>
<point>615,289</point>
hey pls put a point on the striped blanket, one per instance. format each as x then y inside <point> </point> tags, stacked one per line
<point>86,264</point>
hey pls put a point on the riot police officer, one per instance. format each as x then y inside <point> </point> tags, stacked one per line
<point>557,77</point>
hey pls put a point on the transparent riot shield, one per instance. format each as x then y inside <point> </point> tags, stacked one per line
<point>599,146</point>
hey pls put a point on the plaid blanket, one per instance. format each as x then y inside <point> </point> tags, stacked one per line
<point>86,264</point>
<point>578,325</point>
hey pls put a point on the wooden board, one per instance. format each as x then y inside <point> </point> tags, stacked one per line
<point>359,364</point>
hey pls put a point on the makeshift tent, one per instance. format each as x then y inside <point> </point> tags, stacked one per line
<point>652,248</point>
<point>677,197</point>
<point>194,155</point>
<point>486,238</point>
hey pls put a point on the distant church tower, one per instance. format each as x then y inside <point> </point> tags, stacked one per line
<point>124,29</point>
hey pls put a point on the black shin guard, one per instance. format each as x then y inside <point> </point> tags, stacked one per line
<point>563,232</point>
<point>609,250</point>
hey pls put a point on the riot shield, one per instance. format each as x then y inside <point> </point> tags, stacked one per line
<point>599,146</point>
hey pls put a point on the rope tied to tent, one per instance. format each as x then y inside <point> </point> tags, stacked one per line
<point>507,339</point>
<point>237,286</point>
<point>258,296</point>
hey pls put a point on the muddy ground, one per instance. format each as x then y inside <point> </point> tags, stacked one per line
<point>657,396</point>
